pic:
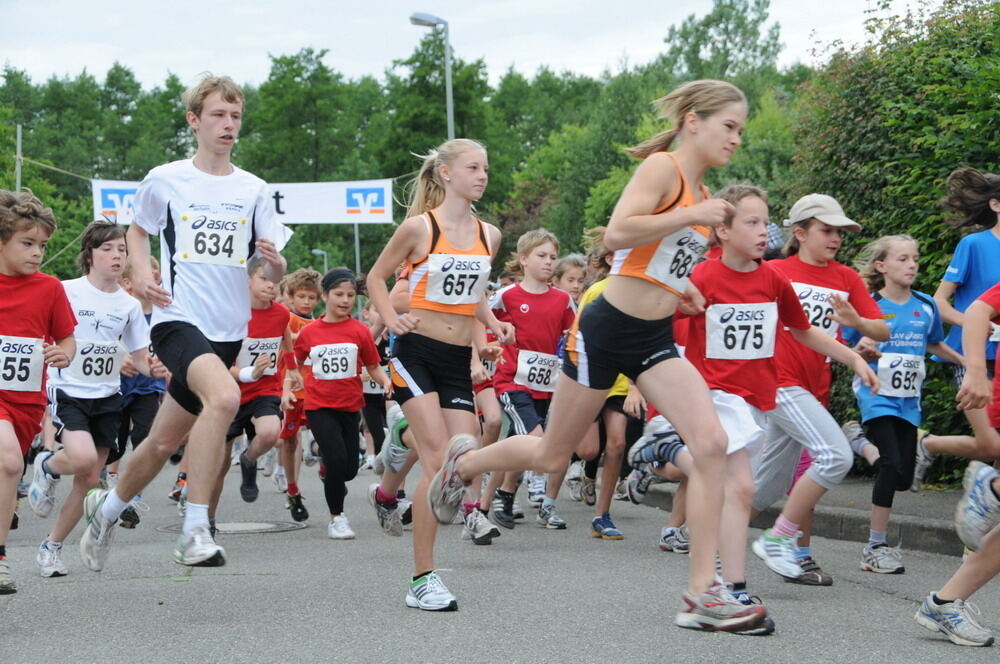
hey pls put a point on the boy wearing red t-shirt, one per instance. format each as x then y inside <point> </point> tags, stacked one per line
<point>36,328</point>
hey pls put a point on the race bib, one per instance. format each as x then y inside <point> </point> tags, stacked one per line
<point>370,386</point>
<point>215,238</point>
<point>741,331</point>
<point>21,364</point>
<point>253,348</point>
<point>537,371</point>
<point>901,375</point>
<point>675,258</point>
<point>995,332</point>
<point>490,366</point>
<point>334,361</point>
<point>456,278</point>
<point>97,361</point>
<point>815,302</point>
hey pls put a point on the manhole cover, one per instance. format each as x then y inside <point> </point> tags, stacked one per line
<point>244,527</point>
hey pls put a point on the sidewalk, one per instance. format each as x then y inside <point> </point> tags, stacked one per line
<point>920,521</point>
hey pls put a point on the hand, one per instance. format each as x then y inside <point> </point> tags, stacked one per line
<point>865,373</point>
<point>843,312</point>
<point>868,349</point>
<point>288,401</point>
<point>156,368</point>
<point>711,212</point>
<point>634,402</point>
<point>976,391</point>
<point>262,364</point>
<point>404,324</point>
<point>491,353</point>
<point>55,356</point>
<point>269,252</point>
<point>144,288</point>
<point>479,374</point>
<point>692,302</point>
<point>128,367</point>
<point>387,385</point>
<point>504,332</point>
<point>294,380</point>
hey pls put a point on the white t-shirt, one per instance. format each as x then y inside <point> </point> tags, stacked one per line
<point>208,225</point>
<point>109,326</point>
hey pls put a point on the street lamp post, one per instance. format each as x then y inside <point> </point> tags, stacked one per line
<point>431,21</point>
<point>321,252</point>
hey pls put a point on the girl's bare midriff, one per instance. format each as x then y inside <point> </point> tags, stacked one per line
<point>448,328</point>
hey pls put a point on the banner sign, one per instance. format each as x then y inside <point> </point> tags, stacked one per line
<point>356,202</point>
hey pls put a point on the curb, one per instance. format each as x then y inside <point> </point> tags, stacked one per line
<point>914,533</point>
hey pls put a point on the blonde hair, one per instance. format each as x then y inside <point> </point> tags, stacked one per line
<point>303,278</point>
<point>426,188</point>
<point>23,211</point>
<point>703,97</point>
<point>128,271</point>
<point>878,250</point>
<point>735,192</point>
<point>194,97</point>
<point>567,263</point>
<point>526,244</point>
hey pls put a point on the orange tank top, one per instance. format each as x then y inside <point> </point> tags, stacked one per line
<point>450,280</point>
<point>669,262</point>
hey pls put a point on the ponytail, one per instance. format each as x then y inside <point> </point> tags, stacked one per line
<point>427,188</point>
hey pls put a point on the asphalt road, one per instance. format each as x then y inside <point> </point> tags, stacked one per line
<point>533,596</point>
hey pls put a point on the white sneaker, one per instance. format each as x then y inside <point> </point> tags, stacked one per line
<point>778,553</point>
<point>7,585</point>
<point>95,542</point>
<point>310,455</point>
<point>369,462</point>
<point>430,594</point>
<point>479,529</point>
<point>340,528</point>
<point>280,480</point>
<point>42,492</point>
<point>574,476</point>
<point>270,462</point>
<point>49,559</point>
<point>198,549</point>
<point>882,559</point>
<point>537,486</point>
<point>239,445</point>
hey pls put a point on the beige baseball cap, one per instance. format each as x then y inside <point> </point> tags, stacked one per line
<point>822,207</point>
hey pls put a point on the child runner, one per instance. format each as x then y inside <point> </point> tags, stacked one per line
<point>36,328</point>
<point>449,251</point>
<point>948,610</point>
<point>569,275</point>
<point>658,230</point>
<point>831,295</point>
<point>212,218</point>
<point>891,417</point>
<point>337,347</point>
<point>85,398</point>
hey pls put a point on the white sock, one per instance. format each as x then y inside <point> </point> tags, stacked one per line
<point>113,506</point>
<point>195,517</point>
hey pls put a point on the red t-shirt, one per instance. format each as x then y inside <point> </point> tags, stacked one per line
<point>992,298</point>
<point>539,320</point>
<point>733,343</point>
<point>336,353</point>
<point>801,366</point>
<point>264,334</point>
<point>295,325</point>
<point>33,309</point>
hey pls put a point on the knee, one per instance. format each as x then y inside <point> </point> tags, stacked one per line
<point>84,461</point>
<point>742,491</point>
<point>11,463</point>
<point>224,401</point>
<point>549,462</point>
<point>710,450</point>
<point>837,468</point>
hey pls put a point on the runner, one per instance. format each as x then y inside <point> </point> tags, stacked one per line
<point>212,218</point>
<point>655,253</point>
<point>36,328</point>
<point>337,347</point>
<point>890,418</point>
<point>449,251</point>
<point>85,398</point>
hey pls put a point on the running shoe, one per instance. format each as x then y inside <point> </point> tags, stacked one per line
<point>547,518</point>
<point>310,450</point>
<point>621,490</point>
<point>604,528</point>
<point>675,539</point>
<point>280,480</point>
<point>501,511</point>
<point>537,486</point>
<point>297,508</point>
<point>517,510</point>
<point>95,542</point>
<point>923,463</point>
<point>978,510</point>
<point>717,610</point>
<point>953,619</point>
<point>102,480</point>
<point>269,462</point>
<point>14,520</point>
<point>479,529</point>
<point>882,559</point>
<point>248,485</point>
<point>22,489</point>
<point>239,446</point>
<point>49,559</point>
<point>574,477</point>
<point>175,492</point>
<point>588,490</point>
<point>388,517</point>
<point>430,594</point>
<point>778,553</point>
<point>746,599</point>
<point>42,492</point>
<point>812,574</point>
<point>176,457</point>
<point>405,507</point>
<point>394,452</point>
<point>340,528</point>
<point>182,503</point>
<point>659,443</point>
<point>369,462</point>
<point>129,517</point>
<point>639,481</point>
<point>198,549</point>
<point>444,496</point>
<point>855,436</point>
<point>7,585</point>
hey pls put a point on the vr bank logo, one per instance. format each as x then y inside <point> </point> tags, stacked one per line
<point>116,202</point>
<point>366,200</point>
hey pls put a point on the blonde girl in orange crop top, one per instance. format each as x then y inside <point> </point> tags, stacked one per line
<point>658,229</point>
<point>448,251</point>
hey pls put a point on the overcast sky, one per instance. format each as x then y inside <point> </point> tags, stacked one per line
<point>186,37</point>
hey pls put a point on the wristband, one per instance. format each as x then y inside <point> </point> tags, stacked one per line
<point>290,361</point>
<point>246,375</point>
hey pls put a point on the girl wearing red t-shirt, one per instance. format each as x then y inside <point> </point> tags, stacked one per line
<point>337,347</point>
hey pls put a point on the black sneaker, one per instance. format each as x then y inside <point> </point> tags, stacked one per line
<point>407,515</point>
<point>248,487</point>
<point>502,512</point>
<point>176,457</point>
<point>14,522</point>
<point>129,517</point>
<point>297,508</point>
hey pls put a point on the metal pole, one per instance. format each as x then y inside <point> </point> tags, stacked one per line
<point>17,162</point>
<point>326,263</point>
<point>447,83</point>
<point>357,251</point>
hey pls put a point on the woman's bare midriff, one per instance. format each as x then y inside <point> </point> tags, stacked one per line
<point>640,298</point>
<point>447,328</point>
